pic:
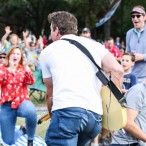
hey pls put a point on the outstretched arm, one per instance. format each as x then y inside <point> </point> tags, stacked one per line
<point>132,128</point>
<point>25,34</point>
<point>7,32</point>
<point>113,68</point>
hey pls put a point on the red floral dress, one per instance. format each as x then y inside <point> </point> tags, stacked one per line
<point>14,86</point>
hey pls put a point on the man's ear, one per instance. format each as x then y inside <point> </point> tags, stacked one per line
<point>57,31</point>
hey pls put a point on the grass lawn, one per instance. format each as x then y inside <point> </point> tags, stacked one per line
<point>37,99</point>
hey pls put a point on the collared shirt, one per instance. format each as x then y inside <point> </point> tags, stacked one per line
<point>138,32</point>
<point>137,45</point>
<point>14,86</point>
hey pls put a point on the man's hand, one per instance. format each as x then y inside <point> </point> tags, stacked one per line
<point>27,68</point>
<point>25,33</point>
<point>8,30</point>
<point>138,56</point>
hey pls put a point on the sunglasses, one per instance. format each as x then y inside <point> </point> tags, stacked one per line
<point>138,16</point>
<point>2,57</point>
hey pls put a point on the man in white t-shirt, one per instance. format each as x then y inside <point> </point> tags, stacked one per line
<point>73,89</point>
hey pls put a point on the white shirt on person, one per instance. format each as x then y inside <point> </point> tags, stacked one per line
<point>74,81</point>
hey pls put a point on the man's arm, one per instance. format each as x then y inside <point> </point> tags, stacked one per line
<point>7,32</point>
<point>49,93</point>
<point>111,66</point>
<point>139,57</point>
<point>25,34</point>
<point>131,127</point>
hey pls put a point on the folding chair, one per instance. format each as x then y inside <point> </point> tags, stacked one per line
<point>38,87</point>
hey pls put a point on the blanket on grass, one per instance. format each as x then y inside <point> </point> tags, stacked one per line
<point>22,140</point>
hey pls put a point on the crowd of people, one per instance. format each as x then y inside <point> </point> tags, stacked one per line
<point>30,45</point>
<point>18,60</point>
<point>72,87</point>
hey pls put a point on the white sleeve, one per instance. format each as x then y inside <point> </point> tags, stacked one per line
<point>44,65</point>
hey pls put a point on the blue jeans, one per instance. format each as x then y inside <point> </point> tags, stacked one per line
<point>9,116</point>
<point>18,133</point>
<point>73,127</point>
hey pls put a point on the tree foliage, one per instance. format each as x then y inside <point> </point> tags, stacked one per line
<point>32,15</point>
<point>29,14</point>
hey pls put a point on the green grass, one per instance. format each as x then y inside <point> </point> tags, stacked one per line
<point>38,100</point>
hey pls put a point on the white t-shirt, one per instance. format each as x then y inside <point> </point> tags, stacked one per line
<point>75,83</point>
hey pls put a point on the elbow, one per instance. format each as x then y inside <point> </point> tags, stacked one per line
<point>120,71</point>
<point>129,125</point>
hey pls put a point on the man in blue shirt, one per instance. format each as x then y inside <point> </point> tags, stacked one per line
<point>135,42</point>
<point>134,133</point>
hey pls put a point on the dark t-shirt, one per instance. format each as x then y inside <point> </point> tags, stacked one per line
<point>129,80</point>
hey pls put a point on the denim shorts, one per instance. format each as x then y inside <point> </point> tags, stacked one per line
<point>73,127</point>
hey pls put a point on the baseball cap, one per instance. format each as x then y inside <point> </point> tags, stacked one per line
<point>2,53</point>
<point>85,30</point>
<point>137,10</point>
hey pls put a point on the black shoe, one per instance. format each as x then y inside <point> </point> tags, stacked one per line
<point>104,142</point>
<point>23,129</point>
<point>30,143</point>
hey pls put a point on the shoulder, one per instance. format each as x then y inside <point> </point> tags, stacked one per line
<point>135,96</point>
<point>46,49</point>
<point>138,88</point>
<point>133,75</point>
<point>88,43</point>
<point>130,75</point>
<point>115,47</point>
<point>92,44</point>
<point>130,31</point>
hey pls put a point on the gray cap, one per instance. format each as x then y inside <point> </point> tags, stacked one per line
<point>137,10</point>
<point>2,53</point>
<point>85,30</point>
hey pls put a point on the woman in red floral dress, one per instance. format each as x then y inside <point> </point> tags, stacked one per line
<point>15,102</point>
